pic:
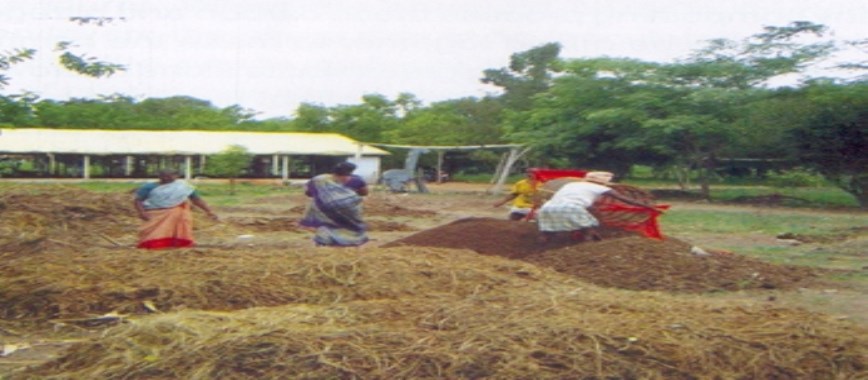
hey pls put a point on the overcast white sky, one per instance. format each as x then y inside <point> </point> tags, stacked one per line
<point>272,55</point>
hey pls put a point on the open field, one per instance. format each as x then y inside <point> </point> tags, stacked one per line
<point>447,289</point>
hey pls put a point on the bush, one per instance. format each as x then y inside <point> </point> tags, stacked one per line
<point>796,178</point>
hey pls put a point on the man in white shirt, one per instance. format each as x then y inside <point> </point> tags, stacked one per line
<point>567,210</point>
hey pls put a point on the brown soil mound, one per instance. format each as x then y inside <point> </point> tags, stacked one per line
<point>425,313</point>
<point>622,259</point>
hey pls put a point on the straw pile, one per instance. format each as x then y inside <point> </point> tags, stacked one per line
<point>411,311</point>
<point>33,218</point>
<point>425,313</point>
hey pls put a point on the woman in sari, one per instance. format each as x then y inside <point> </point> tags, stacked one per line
<point>163,206</point>
<point>335,210</point>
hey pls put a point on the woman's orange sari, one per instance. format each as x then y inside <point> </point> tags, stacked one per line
<point>167,228</point>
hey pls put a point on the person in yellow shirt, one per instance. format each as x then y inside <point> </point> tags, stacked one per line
<point>522,197</point>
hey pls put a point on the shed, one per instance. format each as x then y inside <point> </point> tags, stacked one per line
<point>131,153</point>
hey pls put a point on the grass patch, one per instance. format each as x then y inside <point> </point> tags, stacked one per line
<point>739,221</point>
<point>810,196</point>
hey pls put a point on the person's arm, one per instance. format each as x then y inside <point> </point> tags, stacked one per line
<point>140,209</point>
<point>362,191</point>
<point>358,185</point>
<point>200,203</point>
<point>621,197</point>
<point>508,198</point>
<point>139,196</point>
<point>308,189</point>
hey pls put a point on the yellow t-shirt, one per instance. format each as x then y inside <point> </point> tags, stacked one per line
<point>524,191</point>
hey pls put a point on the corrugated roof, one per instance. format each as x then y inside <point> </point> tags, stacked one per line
<point>102,142</point>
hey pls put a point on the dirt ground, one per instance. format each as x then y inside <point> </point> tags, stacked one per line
<point>453,215</point>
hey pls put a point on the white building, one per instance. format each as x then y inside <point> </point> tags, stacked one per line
<point>89,153</point>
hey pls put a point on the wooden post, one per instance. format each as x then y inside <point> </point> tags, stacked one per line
<point>514,155</point>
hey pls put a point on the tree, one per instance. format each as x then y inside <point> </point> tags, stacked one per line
<point>9,58</point>
<point>76,62</point>
<point>834,139</point>
<point>718,82</point>
<point>592,115</point>
<point>467,121</point>
<point>230,163</point>
<point>366,121</point>
<point>311,118</point>
<point>123,112</point>
<point>17,110</point>
<point>529,73</point>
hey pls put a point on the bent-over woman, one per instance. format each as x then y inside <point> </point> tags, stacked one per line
<point>335,210</point>
<point>163,206</point>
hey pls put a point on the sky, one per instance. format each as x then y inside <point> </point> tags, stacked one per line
<point>272,55</point>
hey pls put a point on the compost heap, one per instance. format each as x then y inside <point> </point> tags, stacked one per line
<point>387,313</point>
<point>622,259</point>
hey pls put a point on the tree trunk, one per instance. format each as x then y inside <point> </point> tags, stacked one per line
<point>705,167</point>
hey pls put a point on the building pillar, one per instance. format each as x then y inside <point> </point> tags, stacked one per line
<point>52,165</point>
<point>202,159</point>
<point>285,173</point>
<point>86,167</point>
<point>439,174</point>
<point>128,165</point>
<point>188,167</point>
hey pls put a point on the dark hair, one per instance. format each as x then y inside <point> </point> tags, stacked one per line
<point>344,168</point>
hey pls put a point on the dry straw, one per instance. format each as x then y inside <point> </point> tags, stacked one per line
<point>380,313</point>
<point>438,313</point>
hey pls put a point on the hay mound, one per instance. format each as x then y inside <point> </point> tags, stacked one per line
<point>622,259</point>
<point>33,219</point>
<point>461,316</point>
<point>64,285</point>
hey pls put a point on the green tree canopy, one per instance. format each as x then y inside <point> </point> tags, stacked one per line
<point>834,139</point>
<point>230,163</point>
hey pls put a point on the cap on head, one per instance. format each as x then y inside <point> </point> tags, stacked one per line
<point>599,177</point>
